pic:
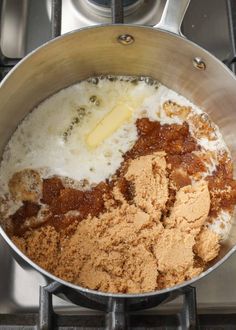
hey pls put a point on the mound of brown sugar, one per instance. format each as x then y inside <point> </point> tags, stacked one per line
<point>144,229</point>
<point>130,247</point>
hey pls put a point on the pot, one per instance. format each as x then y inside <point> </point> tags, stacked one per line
<point>161,52</point>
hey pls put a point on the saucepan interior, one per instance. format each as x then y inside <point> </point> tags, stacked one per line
<point>95,51</point>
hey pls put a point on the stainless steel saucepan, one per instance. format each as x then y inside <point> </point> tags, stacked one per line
<point>161,52</point>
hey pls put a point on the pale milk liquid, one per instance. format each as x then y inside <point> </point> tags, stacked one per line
<point>52,137</point>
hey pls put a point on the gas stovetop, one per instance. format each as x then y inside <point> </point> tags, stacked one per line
<point>25,25</point>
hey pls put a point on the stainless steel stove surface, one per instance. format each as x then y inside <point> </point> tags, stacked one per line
<point>25,25</point>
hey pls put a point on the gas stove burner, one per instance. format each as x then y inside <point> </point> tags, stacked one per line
<point>107,3</point>
<point>80,13</point>
<point>103,7</point>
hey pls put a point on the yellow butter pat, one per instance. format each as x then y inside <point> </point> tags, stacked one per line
<point>109,124</point>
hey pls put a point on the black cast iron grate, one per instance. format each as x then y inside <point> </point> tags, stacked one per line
<point>117,319</point>
<point>115,316</point>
